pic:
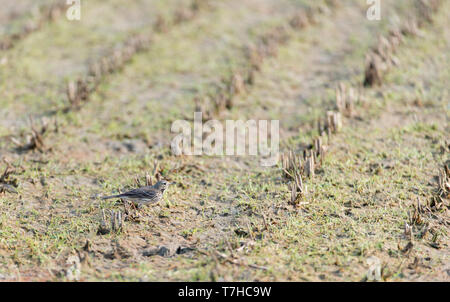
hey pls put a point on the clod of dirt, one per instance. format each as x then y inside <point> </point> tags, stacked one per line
<point>407,249</point>
<point>103,229</point>
<point>184,250</point>
<point>160,251</point>
<point>120,250</point>
<point>8,183</point>
<point>167,251</point>
<point>240,232</point>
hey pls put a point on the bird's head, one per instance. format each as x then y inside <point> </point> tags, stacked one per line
<point>162,185</point>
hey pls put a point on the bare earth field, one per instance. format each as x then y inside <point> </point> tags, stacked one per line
<point>378,197</point>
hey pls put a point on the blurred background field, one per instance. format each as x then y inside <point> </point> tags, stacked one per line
<point>86,109</point>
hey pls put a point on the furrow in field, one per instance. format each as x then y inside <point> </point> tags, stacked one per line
<point>160,85</point>
<point>378,169</point>
<point>210,52</point>
<point>241,212</point>
<point>20,18</point>
<point>205,211</point>
<point>298,86</point>
<point>33,74</point>
<point>302,70</point>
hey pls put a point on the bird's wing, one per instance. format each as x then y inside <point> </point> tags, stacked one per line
<point>139,193</point>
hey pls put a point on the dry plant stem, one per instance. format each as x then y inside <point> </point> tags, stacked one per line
<point>379,60</point>
<point>35,140</point>
<point>381,57</point>
<point>240,80</point>
<point>78,91</point>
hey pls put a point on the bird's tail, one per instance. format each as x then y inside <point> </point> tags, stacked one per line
<point>111,196</point>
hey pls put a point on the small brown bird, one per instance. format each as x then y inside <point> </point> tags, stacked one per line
<point>144,195</point>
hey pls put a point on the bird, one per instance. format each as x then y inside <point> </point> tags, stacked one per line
<point>145,195</point>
